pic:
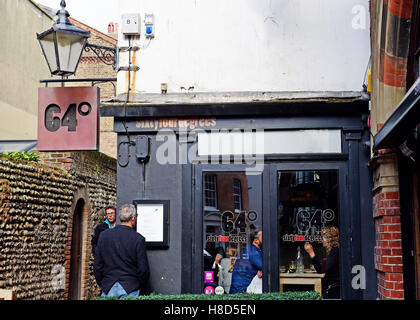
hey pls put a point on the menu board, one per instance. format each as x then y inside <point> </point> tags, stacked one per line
<point>150,221</point>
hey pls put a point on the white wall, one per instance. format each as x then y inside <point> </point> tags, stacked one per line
<point>250,45</point>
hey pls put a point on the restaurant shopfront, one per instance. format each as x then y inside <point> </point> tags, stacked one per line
<point>206,178</point>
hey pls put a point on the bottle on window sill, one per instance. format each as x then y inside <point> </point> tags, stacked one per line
<point>300,268</point>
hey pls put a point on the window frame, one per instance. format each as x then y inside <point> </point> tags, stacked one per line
<point>237,194</point>
<point>205,190</point>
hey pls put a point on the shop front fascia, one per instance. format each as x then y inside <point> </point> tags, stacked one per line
<point>312,172</point>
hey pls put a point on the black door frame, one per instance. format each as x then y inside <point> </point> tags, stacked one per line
<point>355,195</point>
<point>344,219</point>
<point>349,223</point>
<point>197,226</point>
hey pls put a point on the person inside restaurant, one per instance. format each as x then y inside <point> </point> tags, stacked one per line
<point>331,281</point>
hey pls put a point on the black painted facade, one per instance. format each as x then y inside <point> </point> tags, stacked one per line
<point>177,269</point>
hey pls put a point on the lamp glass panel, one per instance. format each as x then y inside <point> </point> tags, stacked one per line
<point>47,45</point>
<point>70,47</point>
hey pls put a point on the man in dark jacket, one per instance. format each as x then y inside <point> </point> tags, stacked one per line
<point>109,223</point>
<point>121,267</point>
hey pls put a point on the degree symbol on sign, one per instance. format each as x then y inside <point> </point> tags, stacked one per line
<point>84,113</point>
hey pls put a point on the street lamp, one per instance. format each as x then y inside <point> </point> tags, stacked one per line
<point>63,45</point>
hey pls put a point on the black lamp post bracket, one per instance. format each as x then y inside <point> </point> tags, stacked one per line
<point>107,55</point>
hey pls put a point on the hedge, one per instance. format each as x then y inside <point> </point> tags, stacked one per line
<point>291,295</point>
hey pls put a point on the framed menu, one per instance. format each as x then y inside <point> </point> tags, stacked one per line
<point>153,222</point>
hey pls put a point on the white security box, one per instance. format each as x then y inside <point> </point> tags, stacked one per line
<point>149,21</point>
<point>131,24</point>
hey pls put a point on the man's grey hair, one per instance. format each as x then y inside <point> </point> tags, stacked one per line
<point>127,211</point>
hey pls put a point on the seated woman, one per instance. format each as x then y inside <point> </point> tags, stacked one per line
<point>331,281</point>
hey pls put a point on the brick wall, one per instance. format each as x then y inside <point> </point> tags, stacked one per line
<point>386,213</point>
<point>388,250</point>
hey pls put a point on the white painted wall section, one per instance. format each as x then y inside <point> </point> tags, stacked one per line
<point>249,45</point>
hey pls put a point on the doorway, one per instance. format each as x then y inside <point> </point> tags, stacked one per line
<point>75,279</point>
<point>282,200</point>
<point>307,206</point>
<point>306,197</point>
<point>228,214</point>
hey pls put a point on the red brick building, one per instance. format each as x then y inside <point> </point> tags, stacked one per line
<point>395,42</point>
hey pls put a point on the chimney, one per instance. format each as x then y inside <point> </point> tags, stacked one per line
<point>111,27</point>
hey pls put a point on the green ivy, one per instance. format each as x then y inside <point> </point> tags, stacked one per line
<point>25,155</point>
<point>288,295</point>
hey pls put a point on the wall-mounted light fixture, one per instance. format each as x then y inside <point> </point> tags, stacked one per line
<point>63,45</point>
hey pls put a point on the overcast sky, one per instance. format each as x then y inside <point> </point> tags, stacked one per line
<point>95,13</point>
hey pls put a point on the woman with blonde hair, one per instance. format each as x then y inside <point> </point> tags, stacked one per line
<point>331,281</point>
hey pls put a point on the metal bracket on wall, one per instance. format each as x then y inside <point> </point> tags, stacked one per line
<point>107,55</point>
<point>129,49</point>
<point>131,68</point>
<point>92,80</point>
<point>126,49</point>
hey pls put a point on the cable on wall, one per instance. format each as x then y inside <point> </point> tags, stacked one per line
<point>128,142</point>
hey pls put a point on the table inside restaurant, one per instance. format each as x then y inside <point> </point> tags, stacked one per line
<point>307,278</point>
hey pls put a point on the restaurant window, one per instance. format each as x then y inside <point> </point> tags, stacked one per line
<point>307,208</point>
<point>232,234</point>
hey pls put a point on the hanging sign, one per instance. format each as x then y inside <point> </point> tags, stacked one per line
<point>68,118</point>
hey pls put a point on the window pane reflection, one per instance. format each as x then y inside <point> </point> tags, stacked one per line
<point>307,209</point>
<point>232,235</point>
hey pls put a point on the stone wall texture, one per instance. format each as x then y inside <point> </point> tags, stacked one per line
<point>37,203</point>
